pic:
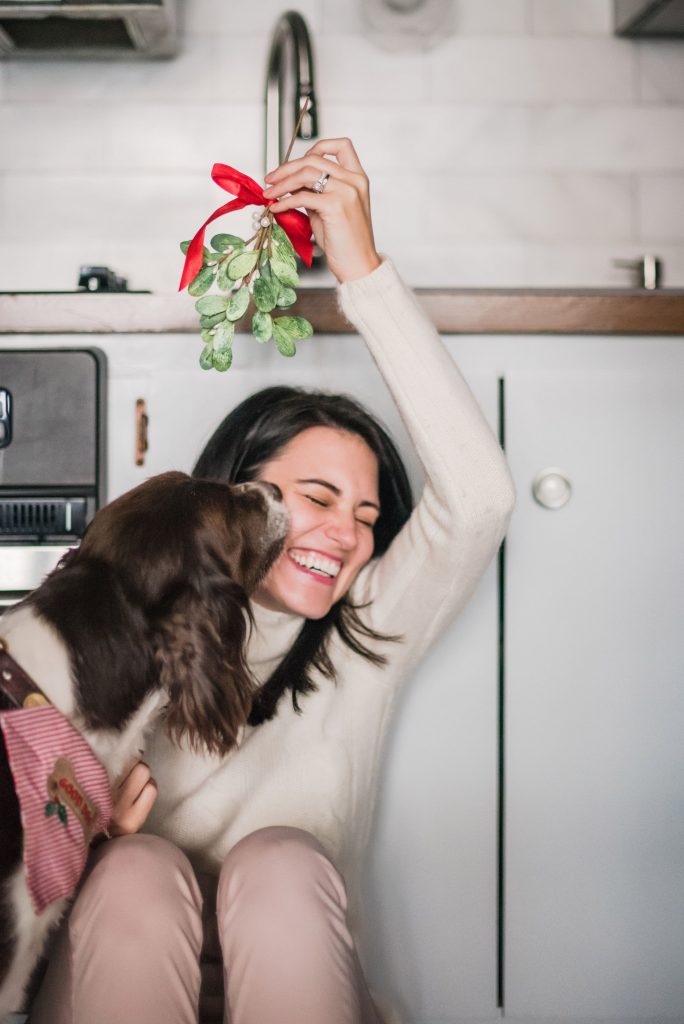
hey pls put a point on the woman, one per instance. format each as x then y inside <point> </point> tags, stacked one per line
<point>284,818</point>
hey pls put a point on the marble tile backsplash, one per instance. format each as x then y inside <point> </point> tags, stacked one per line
<point>531,147</point>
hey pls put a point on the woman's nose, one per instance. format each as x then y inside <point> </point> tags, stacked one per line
<point>342,528</point>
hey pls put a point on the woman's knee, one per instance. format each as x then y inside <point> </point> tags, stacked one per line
<point>138,877</point>
<point>280,859</point>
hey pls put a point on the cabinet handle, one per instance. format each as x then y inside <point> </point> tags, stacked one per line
<point>141,424</point>
<point>552,489</point>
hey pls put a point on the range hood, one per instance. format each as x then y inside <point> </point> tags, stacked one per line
<point>94,28</point>
<point>652,18</point>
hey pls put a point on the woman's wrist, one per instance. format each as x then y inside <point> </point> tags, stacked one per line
<point>361,269</point>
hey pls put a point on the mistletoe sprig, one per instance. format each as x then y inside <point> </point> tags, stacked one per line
<point>263,267</point>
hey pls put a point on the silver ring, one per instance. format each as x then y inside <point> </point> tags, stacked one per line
<point>320,183</point>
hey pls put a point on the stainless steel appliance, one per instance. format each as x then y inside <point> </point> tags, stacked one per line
<point>52,458</point>
<point>110,29</point>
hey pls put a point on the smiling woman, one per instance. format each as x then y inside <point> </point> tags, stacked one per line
<point>362,588</point>
<point>348,495</point>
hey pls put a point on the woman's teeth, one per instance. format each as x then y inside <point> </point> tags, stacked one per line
<point>320,564</point>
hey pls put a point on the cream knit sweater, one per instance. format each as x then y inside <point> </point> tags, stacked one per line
<point>317,770</point>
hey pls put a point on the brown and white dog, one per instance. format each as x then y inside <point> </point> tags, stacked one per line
<point>147,617</point>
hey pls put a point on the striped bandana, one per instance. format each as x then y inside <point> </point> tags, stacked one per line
<point>64,798</point>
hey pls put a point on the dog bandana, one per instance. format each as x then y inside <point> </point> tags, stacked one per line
<point>64,797</point>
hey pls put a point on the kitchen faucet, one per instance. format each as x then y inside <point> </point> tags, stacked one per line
<point>291,34</point>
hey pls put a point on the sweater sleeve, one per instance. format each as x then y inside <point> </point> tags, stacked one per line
<point>434,564</point>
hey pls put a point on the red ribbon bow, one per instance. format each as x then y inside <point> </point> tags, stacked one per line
<point>294,223</point>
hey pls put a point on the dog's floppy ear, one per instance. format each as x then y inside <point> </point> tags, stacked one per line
<point>200,653</point>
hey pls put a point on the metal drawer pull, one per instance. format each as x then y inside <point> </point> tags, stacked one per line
<point>552,489</point>
<point>141,424</point>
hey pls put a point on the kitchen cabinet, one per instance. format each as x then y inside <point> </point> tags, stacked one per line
<point>527,857</point>
<point>594,910</point>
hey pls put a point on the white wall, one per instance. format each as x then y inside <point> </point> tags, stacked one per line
<point>531,147</point>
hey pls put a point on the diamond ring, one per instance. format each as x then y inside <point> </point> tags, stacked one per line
<point>320,183</point>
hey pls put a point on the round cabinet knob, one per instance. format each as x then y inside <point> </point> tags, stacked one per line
<point>552,488</point>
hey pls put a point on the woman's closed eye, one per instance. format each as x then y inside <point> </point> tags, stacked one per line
<point>326,504</point>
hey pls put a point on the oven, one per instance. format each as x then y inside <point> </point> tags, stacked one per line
<point>52,459</point>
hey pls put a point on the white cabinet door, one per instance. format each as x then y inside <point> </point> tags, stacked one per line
<point>594,709</point>
<point>430,884</point>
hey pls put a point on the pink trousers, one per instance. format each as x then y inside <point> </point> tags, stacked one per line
<point>277,937</point>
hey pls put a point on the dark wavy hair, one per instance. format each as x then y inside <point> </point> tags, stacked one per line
<point>249,437</point>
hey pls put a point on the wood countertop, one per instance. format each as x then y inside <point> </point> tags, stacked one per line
<point>453,310</point>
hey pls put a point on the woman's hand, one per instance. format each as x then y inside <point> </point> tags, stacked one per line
<point>132,800</point>
<point>340,215</point>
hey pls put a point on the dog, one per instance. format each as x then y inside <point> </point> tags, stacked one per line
<point>147,617</point>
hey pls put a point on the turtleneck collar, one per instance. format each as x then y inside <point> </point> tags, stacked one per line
<point>272,637</point>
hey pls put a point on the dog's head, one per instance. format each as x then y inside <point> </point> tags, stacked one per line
<point>169,567</point>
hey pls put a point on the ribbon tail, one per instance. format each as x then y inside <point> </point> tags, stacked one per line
<point>297,227</point>
<point>193,257</point>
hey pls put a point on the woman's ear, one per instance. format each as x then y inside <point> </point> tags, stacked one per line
<point>199,650</point>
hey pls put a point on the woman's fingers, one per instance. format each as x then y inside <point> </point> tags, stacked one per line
<point>133,798</point>
<point>342,149</point>
<point>309,168</point>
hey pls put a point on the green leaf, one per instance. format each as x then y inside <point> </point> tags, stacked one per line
<point>210,305</point>
<point>262,326</point>
<point>223,360</point>
<point>50,808</point>
<point>203,282</point>
<point>294,326</point>
<point>285,345</point>
<point>265,293</point>
<point>205,252</point>
<point>222,279</point>
<point>242,264</point>
<point>62,812</point>
<point>237,305</point>
<point>207,322</point>
<point>286,297</point>
<point>225,242</point>
<point>265,267</point>
<point>207,337</point>
<point>223,336</point>
<point>282,247</point>
<point>285,273</point>
<point>206,360</point>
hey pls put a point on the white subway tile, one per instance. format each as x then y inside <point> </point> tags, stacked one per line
<point>203,70</point>
<point>572,17</point>
<point>591,265</point>
<point>226,17</point>
<point>441,138</point>
<point>44,138</point>
<point>531,207</point>
<point>525,70</point>
<point>187,137</point>
<point>660,206</point>
<point>606,138</point>
<point>462,265</point>
<point>660,65</point>
<point>342,17</point>
<point>352,69</point>
<point>493,17</point>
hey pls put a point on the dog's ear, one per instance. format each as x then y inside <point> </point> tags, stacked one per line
<point>200,654</point>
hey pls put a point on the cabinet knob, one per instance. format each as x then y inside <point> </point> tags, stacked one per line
<point>552,489</point>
